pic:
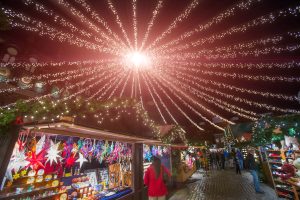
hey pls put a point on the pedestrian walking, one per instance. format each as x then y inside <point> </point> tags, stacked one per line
<point>252,166</point>
<point>156,177</point>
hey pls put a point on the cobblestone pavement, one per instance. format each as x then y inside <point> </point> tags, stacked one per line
<point>223,185</point>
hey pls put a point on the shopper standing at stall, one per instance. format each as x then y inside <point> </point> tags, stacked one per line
<point>240,159</point>
<point>252,166</point>
<point>156,177</point>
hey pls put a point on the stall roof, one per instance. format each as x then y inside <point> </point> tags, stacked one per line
<point>63,128</point>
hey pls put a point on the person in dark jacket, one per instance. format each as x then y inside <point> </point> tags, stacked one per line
<point>223,159</point>
<point>252,166</point>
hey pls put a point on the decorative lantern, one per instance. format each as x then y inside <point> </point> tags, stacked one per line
<point>39,87</point>
<point>4,74</point>
<point>24,82</point>
<point>55,92</point>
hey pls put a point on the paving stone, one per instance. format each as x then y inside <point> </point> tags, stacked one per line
<point>223,185</point>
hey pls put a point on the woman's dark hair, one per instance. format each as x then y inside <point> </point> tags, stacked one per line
<point>157,166</point>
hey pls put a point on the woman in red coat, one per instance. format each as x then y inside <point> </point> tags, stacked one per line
<point>154,179</point>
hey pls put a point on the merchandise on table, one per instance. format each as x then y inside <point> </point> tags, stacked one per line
<point>49,166</point>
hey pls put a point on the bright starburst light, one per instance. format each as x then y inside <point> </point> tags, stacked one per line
<point>189,69</point>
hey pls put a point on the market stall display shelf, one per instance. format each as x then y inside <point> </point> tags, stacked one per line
<point>283,189</point>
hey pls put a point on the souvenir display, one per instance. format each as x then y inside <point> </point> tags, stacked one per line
<point>63,167</point>
<point>183,162</point>
<point>283,163</point>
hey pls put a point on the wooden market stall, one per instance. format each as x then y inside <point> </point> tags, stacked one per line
<point>77,168</point>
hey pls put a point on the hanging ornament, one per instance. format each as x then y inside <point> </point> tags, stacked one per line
<point>24,82</point>
<point>292,132</point>
<point>40,144</point>
<point>36,160</point>
<point>39,87</point>
<point>21,144</point>
<point>75,148</point>
<point>19,120</point>
<point>16,176</point>
<point>267,125</point>
<point>80,144</point>
<point>55,92</point>
<point>23,172</point>
<point>4,74</point>
<point>70,161</point>
<point>18,160</point>
<point>52,154</point>
<point>81,160</point>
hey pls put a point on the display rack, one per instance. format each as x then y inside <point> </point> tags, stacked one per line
<point>33,189</point>
<point>284,189</point>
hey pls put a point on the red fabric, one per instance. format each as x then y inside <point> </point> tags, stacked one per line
<point>156,187</point>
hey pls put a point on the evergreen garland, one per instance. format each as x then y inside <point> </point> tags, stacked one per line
<point>273,129</point>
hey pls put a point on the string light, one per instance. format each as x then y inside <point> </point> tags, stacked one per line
<point>194,110</point>
<point>117,19</point>
<point>218,102</point>
<point>125,84</point>
<point>175,104</point>
<point>78,14</point>
<point>99,19</point>
<point>185,14</point>
<point>157,107</point>
<point>117,85</point>
<point>135,31</point>
<point>269,18</point>
<point>45,30</point>
<point>237,89</point>
<point>244,5</point>
<point>151,22</point>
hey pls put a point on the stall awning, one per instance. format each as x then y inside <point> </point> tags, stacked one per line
<point>63,128</point>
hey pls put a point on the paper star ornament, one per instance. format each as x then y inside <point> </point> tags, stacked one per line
<point>23,172</point>
<point>81,160</point>
<point>18,160</point>
<point>40,144</point>
<point>36,160</point>
<point>16,176</point>
<point>53,153</point>
<point>70,161</point>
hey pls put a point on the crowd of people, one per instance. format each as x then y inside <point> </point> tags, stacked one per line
<point>157,175</point>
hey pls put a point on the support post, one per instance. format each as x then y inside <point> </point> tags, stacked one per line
<point>138,173</point>
<point>7,144</point>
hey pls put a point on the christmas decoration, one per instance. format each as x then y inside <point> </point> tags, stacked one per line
<point>23,172</point>
<point>25,83</point>
<point>70,161</point>
<point>40,144</point>
<point>4,74</point>
<point>39,87</point>
<point>52,153</point>
<point>81,160</point>
<point>36,160</point>
<point>278,127</point>
<point>18,160</point>
<point>16,176</point>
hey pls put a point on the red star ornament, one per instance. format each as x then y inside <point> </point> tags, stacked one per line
<point>36,160</point>
<point>70,161</point>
